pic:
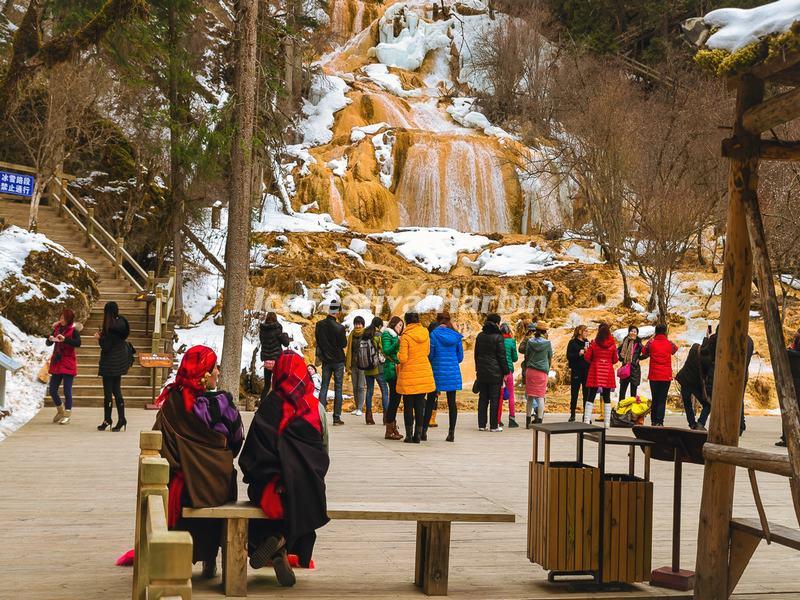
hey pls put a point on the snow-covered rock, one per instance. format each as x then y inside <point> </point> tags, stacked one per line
<point>430,303</point>
<point>408,49</point>
<point>514,260</point>
<point>434,249</point>
<point>738,27</point>
<point>326,97</point>
<point>463,112</point>
<point>358,246</point>
<point>274,219</point>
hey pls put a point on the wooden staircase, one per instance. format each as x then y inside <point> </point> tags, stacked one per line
<point>88,386</point>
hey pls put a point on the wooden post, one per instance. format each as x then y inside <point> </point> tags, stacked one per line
<point>154,475</point>
<point>234,558</point>
<point>89,227</point>
<point>151,278</point>
<point>118,258</point>
<point>216,215</point>
<point>149,446</point>
<point>784,383</point>
<point>711,581</point>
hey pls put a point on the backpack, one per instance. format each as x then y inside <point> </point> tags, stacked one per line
<point>366,355</point>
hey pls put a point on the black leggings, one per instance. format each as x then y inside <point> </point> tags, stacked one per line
<point>605,394</point>
<point>413,413</point>
<point>112,386</point>
<point>394,401</point>
<point>577,385</point>
<point>623,387</point>
<point>452,409</point>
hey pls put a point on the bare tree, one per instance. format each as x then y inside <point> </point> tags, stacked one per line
<point>237,249</point>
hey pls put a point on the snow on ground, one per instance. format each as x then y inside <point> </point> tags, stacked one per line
<point>325,97</point>
<point>301,304</point>
<point>15,246</point>
<point>463,112</point>
<point>790,280</point>
<point>587,256</point>
<point>515,259</point>
<point>359,133</point>
<point>430,303</point>
<point>384,144</point>
<point>274,219</point>
<point>24,393</point>
<point>379,74</point>
<point>434,249</point>
<point>408,49</point>
<point>737,27</point>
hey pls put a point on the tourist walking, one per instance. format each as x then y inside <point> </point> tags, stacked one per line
<point>578,369</point>
<point>794,364</point>
<point>659,350</point>
<point>63,364</point>
<point>491,368</point>
<point>390,344</point>
<point>273,341</point>
<point>358,376</point>
<point>330,339</point>
<point>414,375</point>
<point>371,360</point>
<point>508,383</point>
<point>202,433</point>
<point>692,382</point>
<point>116,358</point>
<point>601,356</point>
<point>447,352</point>
<point>630,372</point>
<point>284,464</point>
<point>538,354</point>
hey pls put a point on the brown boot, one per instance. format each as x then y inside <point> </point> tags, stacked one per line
<point>395,433</point>
<point>368,417</point>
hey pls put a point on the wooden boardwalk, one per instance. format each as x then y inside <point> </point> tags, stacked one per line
<point>67,494</point>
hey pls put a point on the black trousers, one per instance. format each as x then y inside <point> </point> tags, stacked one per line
<point>394,402</point>
<point>606,395</point>
<point>623,387</point>
<point>452,409</point>
<point>267,384</point>
<point>112,387</point>
<point>488,398</point>
<point>577,384</point>
<point>660,391</point>
<point>413,413</point>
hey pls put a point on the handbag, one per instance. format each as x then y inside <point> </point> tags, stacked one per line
<point>624,372</point>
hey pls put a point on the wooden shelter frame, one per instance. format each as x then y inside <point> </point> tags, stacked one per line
<point>725,545</point>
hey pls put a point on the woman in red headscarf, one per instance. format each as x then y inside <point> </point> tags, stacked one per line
<point>202,434</point>
<point>284,464</point>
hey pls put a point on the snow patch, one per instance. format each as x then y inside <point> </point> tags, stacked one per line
<point>434,249</point>
<point>326,96</point>
<point>514,260</point>
<point>408,49</point>
<point>463,113</point>
<point>358,246</point>
<point>738,27</point>
<point>430,303</point>
<point>274,219</point>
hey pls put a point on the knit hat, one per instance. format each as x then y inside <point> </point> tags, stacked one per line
<point>335,307</point>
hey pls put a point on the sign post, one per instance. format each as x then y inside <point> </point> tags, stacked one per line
<point>153,361</point>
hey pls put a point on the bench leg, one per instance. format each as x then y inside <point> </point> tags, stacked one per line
<point>234,558</point>
<point>432,563</point>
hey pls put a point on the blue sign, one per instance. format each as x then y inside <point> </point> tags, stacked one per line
<point>16,184</point>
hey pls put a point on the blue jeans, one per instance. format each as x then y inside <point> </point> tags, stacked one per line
<point>55,382</point>
<point>337,370</point>
<point>384,387</point>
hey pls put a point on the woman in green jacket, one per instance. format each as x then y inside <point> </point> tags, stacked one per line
<point>390,344</point>
<point>508,382</point>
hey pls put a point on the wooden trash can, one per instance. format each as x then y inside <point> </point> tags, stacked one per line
<point>564,503</point>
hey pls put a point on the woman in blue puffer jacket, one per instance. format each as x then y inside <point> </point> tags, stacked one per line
<point>447,352</point>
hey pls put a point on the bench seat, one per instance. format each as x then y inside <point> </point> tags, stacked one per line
<point>433,535</point>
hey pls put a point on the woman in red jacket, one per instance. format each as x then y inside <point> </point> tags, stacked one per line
<point>63,364</point>
<point>601,356</point>
<point>659,350</point>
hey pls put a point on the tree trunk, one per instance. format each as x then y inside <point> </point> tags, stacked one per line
<point>237,249</point>
<point>175,171</point>
<point>701,260</point>
<point>36,197</point>
<point>627,301</point>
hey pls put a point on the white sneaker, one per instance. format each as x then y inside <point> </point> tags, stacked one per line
<point>357,413</point>
<point>483,429</point>
<point>496,430</point>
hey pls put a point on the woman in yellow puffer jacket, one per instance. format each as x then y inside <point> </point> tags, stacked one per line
<point>414,375</point>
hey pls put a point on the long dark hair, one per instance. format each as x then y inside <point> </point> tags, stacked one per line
<point>603,333</point>
<point>110,314</point>
<point>394,321</point>
<point>374,327</point>
<point>444,320</point>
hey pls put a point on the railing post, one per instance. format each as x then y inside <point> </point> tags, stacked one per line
<point>89,226</point>
<point>156,343</point>
<point>118,258</point>
<point>149,447</point>
<point>151,279</point>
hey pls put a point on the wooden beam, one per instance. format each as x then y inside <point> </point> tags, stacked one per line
<point>768,150</point>
<point>766,462</point>
<point>770,309</point>
<point>719,478</point>
<point>770,113</point>
<point>203,250</point>
<point>777,65</point>
<point>743,545</point>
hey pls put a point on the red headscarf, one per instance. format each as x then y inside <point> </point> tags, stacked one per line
<point>292,383</point>
<point>196,363</point>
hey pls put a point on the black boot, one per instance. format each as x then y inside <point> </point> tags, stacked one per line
<point>122,423</point>
<point>424,436</point>
<point>527,422</point>
<point>572,417</point>
<point>451,436</point>
<point>106,415</point>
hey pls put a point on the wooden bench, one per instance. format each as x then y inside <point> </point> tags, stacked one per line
<point>433,536</point>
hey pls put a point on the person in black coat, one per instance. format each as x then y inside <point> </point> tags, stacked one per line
<point>794,365</point>
<point>708,356</point>
<point>491,367</point>
<point>116,357</point>
<point>578,369</point>
<point>691,378</point>
<point>330,338</point>
<point>273,341</point>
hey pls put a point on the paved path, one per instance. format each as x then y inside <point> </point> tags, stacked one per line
<point>67,493</point>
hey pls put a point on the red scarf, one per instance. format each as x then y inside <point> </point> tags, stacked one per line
<point>196,363</point>
<point>292,383</point>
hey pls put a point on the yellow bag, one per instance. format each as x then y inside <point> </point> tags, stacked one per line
<point>44,372</point>
<point>637,406</point>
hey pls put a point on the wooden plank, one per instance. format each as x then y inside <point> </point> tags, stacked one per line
<point>578,529</point>
<point>633,525</point>
<point>554,476</point>
<point>420,558</point>
<point>597,523</point>
<point>563,499</point>
<point>623,519</point>
<point>616,527</point>
<point>234,558</point>
<point>767,462</point>
<point>389,511</point>
<point>607,540</point>
<point>648,529</point>
<point>777,110</point>
<point>779,534</point>
<point>437,559</point>
<point>711,581</point>
<point>531,500</point>
<point>641,574</point>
